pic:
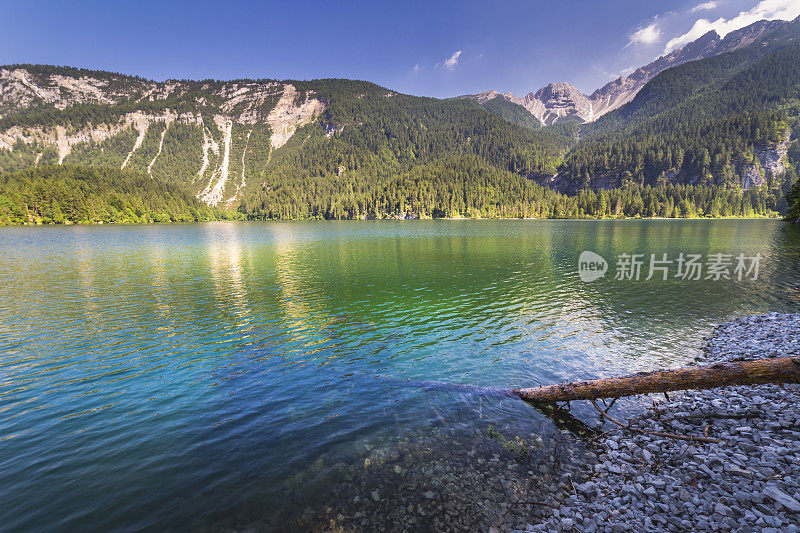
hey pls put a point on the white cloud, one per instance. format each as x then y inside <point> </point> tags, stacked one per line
<point>647,35</point>
<point>417,68</point>
<point>452,61</point>
<point>766,9</point>
<point>705,6</point>
<point>620,73</point>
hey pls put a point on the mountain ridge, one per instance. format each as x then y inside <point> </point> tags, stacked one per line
<point>93,107</point>
<point>336,148</point>
<point>226,140</point>
<point>560,100</point>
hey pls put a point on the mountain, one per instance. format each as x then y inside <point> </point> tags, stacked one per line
<point>63,115</point>
<point>559,101</point>
<point>729,120</point>
<point>258,145</point>
<point>553,103</point>
<point>714,136</point>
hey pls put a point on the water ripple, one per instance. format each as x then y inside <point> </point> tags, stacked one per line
<point>187,369</point>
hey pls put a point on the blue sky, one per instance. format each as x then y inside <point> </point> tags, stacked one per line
<point>433,48</point>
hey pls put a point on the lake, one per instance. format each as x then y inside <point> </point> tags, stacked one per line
<point>224,375</point>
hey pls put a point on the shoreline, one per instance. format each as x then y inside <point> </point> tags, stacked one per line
<point>504,481</point>
<point>750,482</point>
<point>399,220</point>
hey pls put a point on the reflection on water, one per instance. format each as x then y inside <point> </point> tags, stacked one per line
<point>197,374</point>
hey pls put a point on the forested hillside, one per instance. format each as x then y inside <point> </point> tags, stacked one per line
<point>714,137</point>
<point>726,120</point>
<point>466,186</point>
<point>225,140</point>
<point>65,194</point>
<point>511,112</point>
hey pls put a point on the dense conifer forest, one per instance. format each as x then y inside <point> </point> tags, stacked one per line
<point>81,195</point>
<point>456,187</point>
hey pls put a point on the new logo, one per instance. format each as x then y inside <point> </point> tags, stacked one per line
<point>591,266</point>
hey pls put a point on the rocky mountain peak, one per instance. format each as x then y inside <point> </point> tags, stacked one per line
<point>558,91</point>
<point>485,96</point>
<point>558,100</point>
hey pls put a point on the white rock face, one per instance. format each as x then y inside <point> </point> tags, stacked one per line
<point>242,102</point>
<point>770,159</point>
<point>213,192</point>
<point>286,116</point>
<point>20,89</point>
<point>557,101</point>
<point>485,96</point>
<point>64,139</point>
<point>142,125</point>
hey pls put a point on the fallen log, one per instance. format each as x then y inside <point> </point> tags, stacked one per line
<point>754,372</point>
<point>563,419</point>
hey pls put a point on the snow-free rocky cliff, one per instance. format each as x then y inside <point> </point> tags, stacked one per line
<point>215,133</point>
<point>558,101</point>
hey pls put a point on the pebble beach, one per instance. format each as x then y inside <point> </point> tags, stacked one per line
<point>750,482</point>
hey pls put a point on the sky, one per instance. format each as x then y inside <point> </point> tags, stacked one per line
<point>437,48</point>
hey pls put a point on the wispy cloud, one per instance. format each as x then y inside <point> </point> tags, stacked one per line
<point>619,73</point>
<point>417,68</point>
<point>451,62</point>
<point>766,9</point>
<point>705,6</point>
<point>646,35</point>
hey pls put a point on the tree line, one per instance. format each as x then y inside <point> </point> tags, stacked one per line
<point>75,195</point>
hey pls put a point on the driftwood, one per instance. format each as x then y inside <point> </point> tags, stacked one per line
<point>755,372</point>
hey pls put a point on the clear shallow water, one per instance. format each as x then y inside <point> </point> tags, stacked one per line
<point>203,375</point>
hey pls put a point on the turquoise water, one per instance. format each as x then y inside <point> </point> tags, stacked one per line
<point>176,376</point>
